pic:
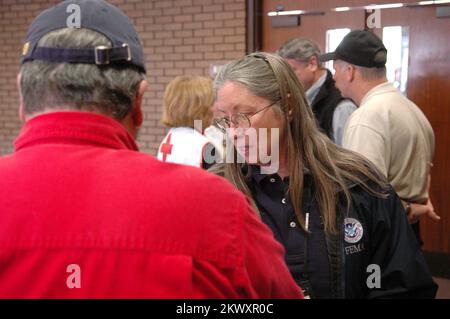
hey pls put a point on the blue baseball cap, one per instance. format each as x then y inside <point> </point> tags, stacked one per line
<point>96,15</point>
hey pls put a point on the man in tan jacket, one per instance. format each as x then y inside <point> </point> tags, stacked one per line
<point>387,128</point>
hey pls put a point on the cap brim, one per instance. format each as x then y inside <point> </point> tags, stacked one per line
<point>326,57</point>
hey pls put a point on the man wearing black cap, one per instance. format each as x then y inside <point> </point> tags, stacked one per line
<point>387,128</point>
<point>84,215</point>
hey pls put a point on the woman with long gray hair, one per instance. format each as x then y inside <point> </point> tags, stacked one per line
<point>344,229</point>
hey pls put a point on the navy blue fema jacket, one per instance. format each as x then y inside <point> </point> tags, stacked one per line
<point>390,243</point>
<point>375,231</point>
<point>374,238</point>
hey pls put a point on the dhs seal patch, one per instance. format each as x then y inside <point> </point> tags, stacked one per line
<point>353,230</point>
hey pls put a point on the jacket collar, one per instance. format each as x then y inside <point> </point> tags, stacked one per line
<point>80,128</point>
<point>313,91</point>
<point>324,89</point>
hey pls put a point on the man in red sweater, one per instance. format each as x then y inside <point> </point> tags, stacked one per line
<point>84,214</point>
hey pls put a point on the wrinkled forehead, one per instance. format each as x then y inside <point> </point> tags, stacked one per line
<point>233,97</point>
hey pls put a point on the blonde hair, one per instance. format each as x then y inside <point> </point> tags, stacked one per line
<point>332,168</point>
<point>188,98</point>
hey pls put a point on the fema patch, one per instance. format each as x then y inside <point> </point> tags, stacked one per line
<point>353,230</point>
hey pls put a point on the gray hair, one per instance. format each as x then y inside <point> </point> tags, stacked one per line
<point>300,49</point>
<point>369,74</point>
<point>254,73</point>
<point>331,167</point>
<point>110,90</point>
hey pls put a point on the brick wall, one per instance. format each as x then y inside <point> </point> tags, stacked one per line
<point>179,37</point>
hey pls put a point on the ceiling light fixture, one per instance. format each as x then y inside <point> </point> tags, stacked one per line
<point>368,7</point>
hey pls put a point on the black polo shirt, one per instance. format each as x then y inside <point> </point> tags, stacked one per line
<point>271,194</point>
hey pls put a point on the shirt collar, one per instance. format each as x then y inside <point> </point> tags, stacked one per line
<point>258,177</point>
<point>312,92</point>
<point>81,128</point>
<point>382,88</point>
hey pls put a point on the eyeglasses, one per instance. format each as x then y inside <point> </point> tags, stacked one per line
<point>241,120</point>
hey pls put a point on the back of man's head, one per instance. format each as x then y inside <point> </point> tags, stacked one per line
<point>93,66</point>
<point>299,49</point>
<point>364,51</point>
